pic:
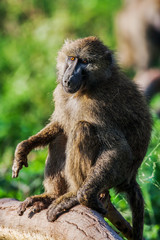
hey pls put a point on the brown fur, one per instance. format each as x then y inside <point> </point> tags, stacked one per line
<point>98,137</point>
<point>138,33</point>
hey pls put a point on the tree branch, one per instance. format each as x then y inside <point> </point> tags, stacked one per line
<point>79,223</point>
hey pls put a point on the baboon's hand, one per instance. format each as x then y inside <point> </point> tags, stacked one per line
<point>17,165</point>
<point>20,158</point>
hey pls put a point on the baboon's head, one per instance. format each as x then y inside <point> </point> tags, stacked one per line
<point>83,63</point>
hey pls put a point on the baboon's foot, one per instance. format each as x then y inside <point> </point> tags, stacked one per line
<point>37,204</point>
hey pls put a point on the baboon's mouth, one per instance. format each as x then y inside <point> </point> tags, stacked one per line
<point>71,89</point>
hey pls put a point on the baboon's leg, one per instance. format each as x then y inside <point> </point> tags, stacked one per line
<point>82,149</point>
<point>105,174</point>
<point>54,179</point>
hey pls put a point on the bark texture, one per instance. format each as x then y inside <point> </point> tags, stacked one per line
<point>80,223</point>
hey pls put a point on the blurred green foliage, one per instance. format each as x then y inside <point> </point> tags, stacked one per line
<point>31,32</point>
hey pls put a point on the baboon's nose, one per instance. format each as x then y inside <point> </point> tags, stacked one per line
<point>69,83</point>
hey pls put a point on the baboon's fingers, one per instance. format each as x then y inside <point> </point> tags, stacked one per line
<point>27,203</point>
<point>37,207</point>
<point>38,203</point>
<point>15,169</point>
<point>55,210</point>
<point>17,166</point>
<point>14,172</point>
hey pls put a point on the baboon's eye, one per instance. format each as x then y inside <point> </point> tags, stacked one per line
<point>72,58</point>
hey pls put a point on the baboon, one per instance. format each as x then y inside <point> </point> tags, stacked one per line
<point>138,33</point>
<point>149,82</point>
<point>98,135</point>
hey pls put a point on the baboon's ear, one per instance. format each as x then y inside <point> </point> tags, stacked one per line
<point>109,57</point>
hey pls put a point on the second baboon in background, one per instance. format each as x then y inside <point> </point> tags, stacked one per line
<point>138,33</point>
<point>98,135</point>
<point>149,83</point>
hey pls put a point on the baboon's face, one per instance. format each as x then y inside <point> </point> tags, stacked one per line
<point>82,64</point>
<point>75,74</point>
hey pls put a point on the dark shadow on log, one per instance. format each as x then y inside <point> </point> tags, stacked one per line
<point>79,223</point>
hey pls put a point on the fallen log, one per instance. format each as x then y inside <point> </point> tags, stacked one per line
<point>79,223</point>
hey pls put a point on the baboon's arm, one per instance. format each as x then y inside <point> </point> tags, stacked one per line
<point>41,139</point>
